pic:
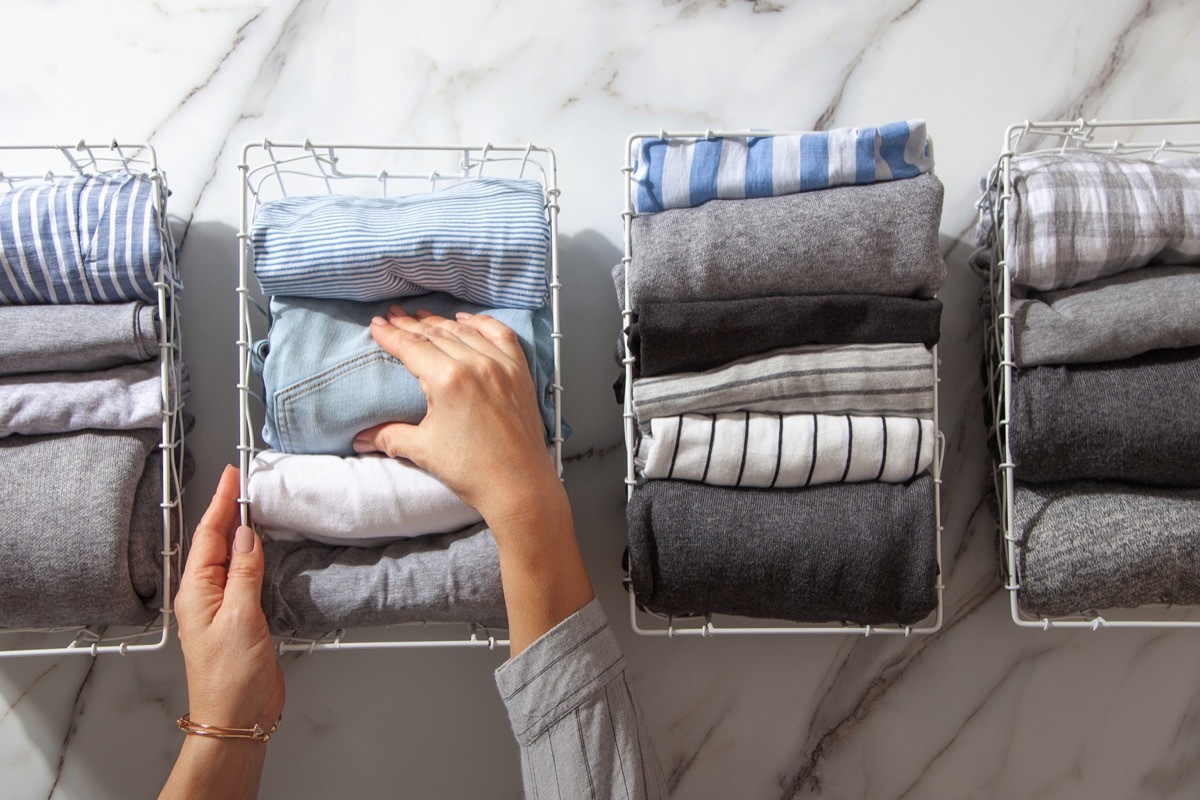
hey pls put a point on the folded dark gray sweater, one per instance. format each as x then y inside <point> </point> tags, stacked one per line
<point>689,337</point>
<point>1132,420</point>
<point>862,553</point>
<point>1091,545</point>
<point>879,238</point>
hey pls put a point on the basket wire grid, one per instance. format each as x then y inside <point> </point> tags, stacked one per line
<point>1124,138</point>
<point>25,165</point>
<point>271,170</point>
<point>705,626</point>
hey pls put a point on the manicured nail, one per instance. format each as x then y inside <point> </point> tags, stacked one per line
<point>363,446</point>
<point>243,540</point>
<point>463,315</point>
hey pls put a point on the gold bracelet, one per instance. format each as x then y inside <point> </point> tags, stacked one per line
<point>256,733</point>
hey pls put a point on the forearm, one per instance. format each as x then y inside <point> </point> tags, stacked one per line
<point>541,567</point>
<point>225,768</point>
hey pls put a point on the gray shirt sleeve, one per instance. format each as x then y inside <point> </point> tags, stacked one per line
<point>579,726</point>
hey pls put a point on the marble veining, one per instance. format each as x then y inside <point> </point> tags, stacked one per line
<point>980,709</point>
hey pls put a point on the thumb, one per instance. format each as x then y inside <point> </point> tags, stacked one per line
<point>243,584</point>
<point>396,439</point>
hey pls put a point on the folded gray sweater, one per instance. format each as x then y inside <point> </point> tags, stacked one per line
<point>863,553</point>
<point>1090,545</point>
<point>81,534</point>
<point>1133,420</point>
<point>879,238</point>
<point>688,337</point>
<point>1109,319</point>
<point>76,338</point>
<point>314,588</point>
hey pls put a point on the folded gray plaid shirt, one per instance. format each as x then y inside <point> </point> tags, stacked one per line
<point>1076,217</point>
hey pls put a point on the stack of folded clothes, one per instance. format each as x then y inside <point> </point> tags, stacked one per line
<point>82,404</point>
<point>368,540</point>
<point>782,296</point>
<point>1104,434</point>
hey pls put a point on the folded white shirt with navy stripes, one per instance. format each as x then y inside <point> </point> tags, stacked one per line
<point>483,241</point>
<point>785,450</point>
<point>855,379</point>
<point>84,239</point>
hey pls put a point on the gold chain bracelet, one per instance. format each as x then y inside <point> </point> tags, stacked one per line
<point>256,733</point>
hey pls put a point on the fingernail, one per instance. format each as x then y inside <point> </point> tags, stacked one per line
<point>422,313</point>
<point>397,311</point>
<point>378,321</point>
<point>243,540</point>
<point>363,446</point>
<point>463,315</point>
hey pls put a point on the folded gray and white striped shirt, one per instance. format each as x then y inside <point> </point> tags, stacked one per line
<point>857,379</point>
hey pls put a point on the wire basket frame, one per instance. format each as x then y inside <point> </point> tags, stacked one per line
<point>271,170</point>
<point>26,165</point>
<point>1124,138</point>
<point>704,625</point>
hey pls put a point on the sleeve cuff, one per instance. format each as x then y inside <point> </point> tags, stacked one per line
<point>559,671</point>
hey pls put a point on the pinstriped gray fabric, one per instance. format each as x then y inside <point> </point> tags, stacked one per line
<point>766,451</point>
<point>1109,319</point>
<point>576,720</point>
<point>1076,217</point>
<point>863,380</point>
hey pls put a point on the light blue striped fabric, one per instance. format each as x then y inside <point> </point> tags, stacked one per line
<point>483,241</point>
<point>685,173</point>
<point>84,239</point>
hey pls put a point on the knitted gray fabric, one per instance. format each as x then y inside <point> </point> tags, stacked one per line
<point>1109,319</point>
<point>313,588</point>
<point>1090,545</point>
<point>1133,420</point>
<point>81,535</point>
<point>879,238</point>
<point>859,379</point>
<point>689,337</point>
<point>76,338</point>
<point>862,553</point>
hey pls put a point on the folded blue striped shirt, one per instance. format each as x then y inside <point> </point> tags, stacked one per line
<point>685,173</point>
<point>483,241</point>
<point>83,239</point>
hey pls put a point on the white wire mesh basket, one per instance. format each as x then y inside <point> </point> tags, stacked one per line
<point>1132,139</point>
<point>708,625</point>
<point>26,165</point>
<point>271,170</point>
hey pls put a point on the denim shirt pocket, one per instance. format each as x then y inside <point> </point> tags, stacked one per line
<point>323,412</point>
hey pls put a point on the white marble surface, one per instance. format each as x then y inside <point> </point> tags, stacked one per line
<point>980,710</point>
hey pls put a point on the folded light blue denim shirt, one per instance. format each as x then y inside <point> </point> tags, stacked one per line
<point>325,379</point>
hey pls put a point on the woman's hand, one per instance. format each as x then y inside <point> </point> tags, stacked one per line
<point>483,437</point>
<point>233,676</point>
<point>483,434</point>
<point>234,679</point>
